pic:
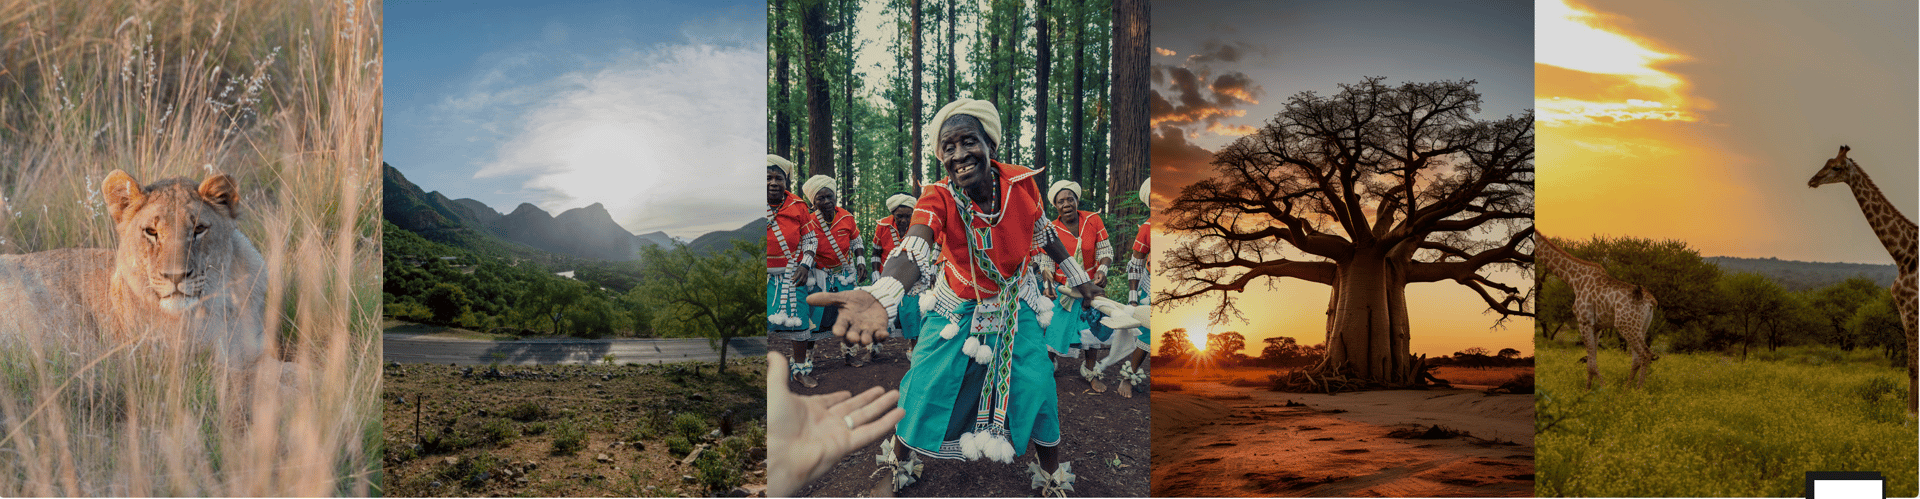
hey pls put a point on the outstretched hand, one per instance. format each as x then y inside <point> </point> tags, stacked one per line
<point>808,434</point>
<point>862,319</point>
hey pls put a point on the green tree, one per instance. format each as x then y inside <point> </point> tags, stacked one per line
<point>718,295</point>
<point>447,301</point>
<point>1834,305</point>
<point>1877,324</point>
<point>1755,304</point>
<point>1682,282</point>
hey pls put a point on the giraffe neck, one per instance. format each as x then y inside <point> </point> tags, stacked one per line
<point>1895,230</point>
<point>1559,262</point>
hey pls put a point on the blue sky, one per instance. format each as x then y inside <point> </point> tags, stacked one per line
<point>654,109</point>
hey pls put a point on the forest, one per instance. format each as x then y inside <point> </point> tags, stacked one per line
<point>669,292</point>
<point>1704,308</point>
<point>851,83</point>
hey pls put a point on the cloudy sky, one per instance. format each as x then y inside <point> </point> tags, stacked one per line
<point>652,108</point>
<point>1702,121</point>
<point>1223,68</point>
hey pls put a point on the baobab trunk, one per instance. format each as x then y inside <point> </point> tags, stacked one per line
<point>1367,324</point>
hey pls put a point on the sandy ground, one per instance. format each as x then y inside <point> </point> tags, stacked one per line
<point>1214,439</point>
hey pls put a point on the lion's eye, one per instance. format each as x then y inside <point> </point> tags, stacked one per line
<point>199,229</point>
<point>152,233</point>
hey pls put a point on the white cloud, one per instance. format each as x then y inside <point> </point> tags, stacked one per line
<point>668,137</point>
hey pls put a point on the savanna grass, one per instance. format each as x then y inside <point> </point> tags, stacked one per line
<point>285,97</point>
<point>1708,425</point>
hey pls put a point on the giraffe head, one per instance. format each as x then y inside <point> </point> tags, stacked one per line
<point>1838,169</point>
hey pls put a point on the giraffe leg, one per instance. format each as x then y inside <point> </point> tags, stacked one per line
<point>1904,299</point>
<point>1588,335</point>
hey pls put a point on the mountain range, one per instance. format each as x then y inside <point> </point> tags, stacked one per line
<point>588,232</point>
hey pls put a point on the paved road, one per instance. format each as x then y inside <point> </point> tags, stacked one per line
<point>413,348</point>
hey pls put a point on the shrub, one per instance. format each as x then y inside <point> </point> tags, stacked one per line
<point>498,431</point>
<point>1877,387</point>
<point>527,411</point>
<point>690,425</point>
<point>539,428</point>
<point>568,439</point>
<point>679,445</point>
<point>718,471</point>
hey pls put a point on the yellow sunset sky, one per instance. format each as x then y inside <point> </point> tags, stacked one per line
<point>1702,121</point>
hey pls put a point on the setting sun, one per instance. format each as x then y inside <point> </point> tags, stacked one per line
<point>1198,337</point>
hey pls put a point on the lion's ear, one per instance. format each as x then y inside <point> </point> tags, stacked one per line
<point>123,195</point>
<point>219,191</point>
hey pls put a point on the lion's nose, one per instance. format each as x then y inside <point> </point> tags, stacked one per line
<point>178,276</point>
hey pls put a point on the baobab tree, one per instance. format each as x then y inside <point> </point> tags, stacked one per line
<point>1364,191</point>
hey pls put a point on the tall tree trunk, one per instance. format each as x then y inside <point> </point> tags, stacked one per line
<point>846,113</point>
<point>952,39</point>
<point>1043,65</point>
<point>1129,140</point>
<point>1079,143</point>
<point>1366,328</point>
<point>782,122</point>
<point>813,25</point>
<point>918,68</point>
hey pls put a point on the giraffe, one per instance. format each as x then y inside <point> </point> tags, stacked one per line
<point>1600,302</point>
<point>1896,232</point>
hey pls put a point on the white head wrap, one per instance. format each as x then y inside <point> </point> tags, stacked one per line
<point>1054,191</point>
<point>816,183</point>
<point>988,114</point>
<point>785,166</point>
<point>899,200</point>
<point>1145,193</point>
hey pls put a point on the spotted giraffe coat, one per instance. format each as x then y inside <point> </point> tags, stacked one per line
<point>1896,233</point>
<point>1602,302</point>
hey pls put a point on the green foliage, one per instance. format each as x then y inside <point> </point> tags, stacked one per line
<point>498,431</point>
<point>447,301</point>
<point>690,425</point>
<point>718,471</point>
<point>1710,425</point>
<point>568,438</point>
<point>1678,277</point>
<point>537,428</point>
<point>679,445</point>
<point>1877,324</point>
<point>719,295</point>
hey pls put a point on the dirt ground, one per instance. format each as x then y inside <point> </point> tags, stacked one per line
<point>1214,439</point>
<point>558,431</point>
<point>1104,435</point>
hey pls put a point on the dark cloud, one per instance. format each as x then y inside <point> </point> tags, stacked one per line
<point>1177,163</point>
<point>1187,98</point>
<point>1216,50</point>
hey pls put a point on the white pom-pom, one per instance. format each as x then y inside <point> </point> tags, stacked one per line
<point>983,355</point>
<point>968,347</point>
<point>1045,315</point>
<point>970,446</point>
<point>948,332</point>
<point>926,303</point>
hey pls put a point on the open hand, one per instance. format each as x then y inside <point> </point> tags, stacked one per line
<point>862,319</point>
<point>808,434</point>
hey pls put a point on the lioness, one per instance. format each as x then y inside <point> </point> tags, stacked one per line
<point>183,271</point>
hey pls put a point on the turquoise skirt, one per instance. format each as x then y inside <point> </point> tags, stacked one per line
<point>941,393</point>
<point>910,318</point>
<point>808,314</point>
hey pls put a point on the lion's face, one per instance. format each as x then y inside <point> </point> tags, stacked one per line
<point>176,239</point>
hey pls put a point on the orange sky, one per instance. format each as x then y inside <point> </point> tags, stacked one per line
<point>1701,121</point>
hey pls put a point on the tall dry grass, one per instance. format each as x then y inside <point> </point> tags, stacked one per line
<point>284,96</point>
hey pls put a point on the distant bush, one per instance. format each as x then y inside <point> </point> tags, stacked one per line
<point>498,431</point>
<point>690,425</point>
<point>527,411</point>
<point>568,438</point>
<point>679,445</point>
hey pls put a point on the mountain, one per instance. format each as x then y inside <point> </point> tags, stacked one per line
<point>587,232</point>
<point>752,232</point>
<point>1797,275</point>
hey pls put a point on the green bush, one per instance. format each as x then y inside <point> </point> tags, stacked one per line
<point>527,411</point>
<point>568,439</point>
<point>719,471</point>
<point>498,431</point>
<point>679,445</point>
<point>1878,387</point>
<point>690,425</point>
<point>538,428</point>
